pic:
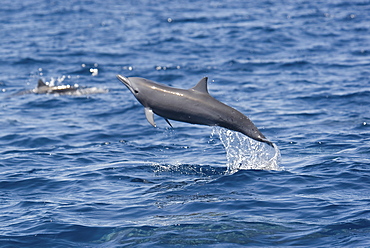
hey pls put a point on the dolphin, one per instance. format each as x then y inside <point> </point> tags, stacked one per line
<point>44,88</point>
<point>195,106</point>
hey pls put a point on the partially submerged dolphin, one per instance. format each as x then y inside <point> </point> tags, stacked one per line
<point>44,88</point>
<point>194,106</point>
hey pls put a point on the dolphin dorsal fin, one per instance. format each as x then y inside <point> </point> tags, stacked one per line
<point>201,86</point>
<point>41,83</point>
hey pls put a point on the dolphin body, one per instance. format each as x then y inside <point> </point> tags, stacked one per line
<point>194,106</point>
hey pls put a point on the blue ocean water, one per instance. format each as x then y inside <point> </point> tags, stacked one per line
<point>88,170</point>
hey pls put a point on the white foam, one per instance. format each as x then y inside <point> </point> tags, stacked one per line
<point>244,153</point>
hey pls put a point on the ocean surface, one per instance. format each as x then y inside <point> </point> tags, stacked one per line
<point>88,170</point>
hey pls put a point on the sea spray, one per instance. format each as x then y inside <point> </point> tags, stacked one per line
<point>243,153</point>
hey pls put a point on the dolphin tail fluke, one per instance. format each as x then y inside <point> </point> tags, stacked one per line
<point>268,142</point>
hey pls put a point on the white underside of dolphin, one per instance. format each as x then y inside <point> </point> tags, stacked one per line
<point>194,106</point>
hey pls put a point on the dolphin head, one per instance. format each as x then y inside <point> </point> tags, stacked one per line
<point>130,85</point>
<point>140,87</point>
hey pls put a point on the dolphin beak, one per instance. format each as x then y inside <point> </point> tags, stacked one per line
<point>125,81</point>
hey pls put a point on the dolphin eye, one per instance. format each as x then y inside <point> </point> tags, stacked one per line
<point>135,91</point>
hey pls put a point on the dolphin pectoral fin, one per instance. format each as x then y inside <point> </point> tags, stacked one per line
<point>150,116</point>
<point>169,123</point>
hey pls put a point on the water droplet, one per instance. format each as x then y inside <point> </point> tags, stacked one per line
<point>94,71</point>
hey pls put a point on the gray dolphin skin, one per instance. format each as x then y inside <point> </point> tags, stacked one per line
<point>194,106</point>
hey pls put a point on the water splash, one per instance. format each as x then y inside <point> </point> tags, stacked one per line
<point>243,153</point>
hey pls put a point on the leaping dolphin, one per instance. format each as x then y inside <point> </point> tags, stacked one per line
<point>194,106</point>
